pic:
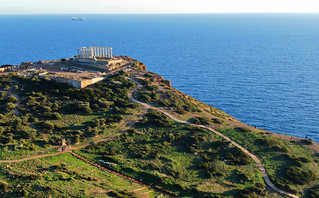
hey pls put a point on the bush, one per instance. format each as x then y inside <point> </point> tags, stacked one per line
<point>217,121</point>
<point>47,126</point>
<point>237,157</point>
<point>298,175</point>
<point>56,116</point>
<point>297,161</point>
<point>33,119</point>
<point>158,119</point>
<point>122,194</point>
<point>307,141</point>
<point>4,186</point>
<point>313,192</point>
<point>201,121</point>
<point>13,99</point>
<point>253,192</point>
<point>242,129</point>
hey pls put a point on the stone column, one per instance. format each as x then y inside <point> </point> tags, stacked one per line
<point>111,54</point>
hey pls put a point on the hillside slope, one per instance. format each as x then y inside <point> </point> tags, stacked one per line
<point>100,122</point>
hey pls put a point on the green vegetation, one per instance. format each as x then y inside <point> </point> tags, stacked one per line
<point>37,115</point>
<point>49,111</point>
<point>290,165</point>
<point>180,158</point>
<point>63,176</point>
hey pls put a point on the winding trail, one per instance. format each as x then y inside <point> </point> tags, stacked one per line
<point>254,157</point>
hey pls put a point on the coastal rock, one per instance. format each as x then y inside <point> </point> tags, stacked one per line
<point>167,83</point>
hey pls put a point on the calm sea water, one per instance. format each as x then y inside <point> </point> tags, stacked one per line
<point>262,69</point>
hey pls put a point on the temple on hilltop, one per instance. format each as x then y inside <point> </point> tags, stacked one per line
<point>95,52</point>
<point>99,57</point>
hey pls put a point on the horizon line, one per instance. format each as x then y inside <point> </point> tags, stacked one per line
<point>176,13</point>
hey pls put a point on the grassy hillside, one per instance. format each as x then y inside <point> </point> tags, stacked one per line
<point>37,115</point>
<point>64,176</point>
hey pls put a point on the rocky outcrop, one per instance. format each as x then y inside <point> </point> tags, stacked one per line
<point>167,83</point>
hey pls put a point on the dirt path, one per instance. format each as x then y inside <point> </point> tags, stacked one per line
<point>30,158</point>
<point>254,157</point>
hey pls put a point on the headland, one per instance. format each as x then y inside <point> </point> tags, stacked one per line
<point>110,112</point>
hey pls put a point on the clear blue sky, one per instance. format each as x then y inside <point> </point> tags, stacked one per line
<point>154,6</point>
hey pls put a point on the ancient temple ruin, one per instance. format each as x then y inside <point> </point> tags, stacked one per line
<point>95,52</point>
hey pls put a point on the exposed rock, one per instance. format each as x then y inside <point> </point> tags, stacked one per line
<point>167,83</point>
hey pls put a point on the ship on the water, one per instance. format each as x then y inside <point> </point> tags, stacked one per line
<point>78,18</point>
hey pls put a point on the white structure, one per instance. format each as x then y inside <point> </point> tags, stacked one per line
<point>95,52</point>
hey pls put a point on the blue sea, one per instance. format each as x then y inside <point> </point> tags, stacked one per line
<point>263,69</point>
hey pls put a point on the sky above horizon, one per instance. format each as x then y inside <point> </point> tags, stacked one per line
<point>155,6</point>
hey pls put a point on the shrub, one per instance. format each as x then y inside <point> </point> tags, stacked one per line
<point>158,119</point>
<point>164,102</point>
<point>33,119</point>
<point>4,186</point>
<point>298,175</point>
<point>8,106</point>
<point>212,169</point>
<point>13,99</point>
<point>148,75</point>
<point>268,142</point>
<point>307,141</point>
<point>47,126</point>
<point>56,116</point>
<point>201,120</point>
<point>237,157</point>
<point>217,121</point>
<point>313,192</point>
<point>253,192</point>
<point>181,111</point>
<point>242,129</point>
<point>298,161</point>
<point>122,194</point>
